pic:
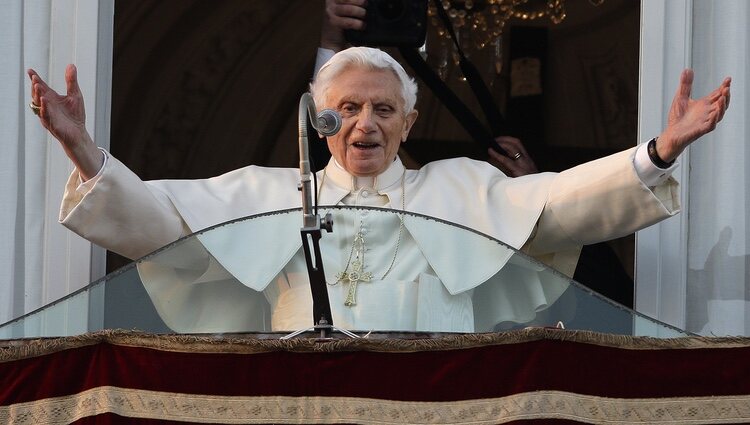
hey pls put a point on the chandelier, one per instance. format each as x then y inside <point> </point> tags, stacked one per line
<point>480,23</point>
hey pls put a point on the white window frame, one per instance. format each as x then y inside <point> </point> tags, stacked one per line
<point>661,250</point>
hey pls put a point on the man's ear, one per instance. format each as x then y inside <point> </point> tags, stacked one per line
<point>411,117</point>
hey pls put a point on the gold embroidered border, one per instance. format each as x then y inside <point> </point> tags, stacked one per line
<point>21,349</point>
<point>135,403</point>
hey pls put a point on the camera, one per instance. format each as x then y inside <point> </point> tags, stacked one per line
<point>401,23</point>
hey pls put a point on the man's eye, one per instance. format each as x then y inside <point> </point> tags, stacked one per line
<point>384,111</point>
<point>348,109</point>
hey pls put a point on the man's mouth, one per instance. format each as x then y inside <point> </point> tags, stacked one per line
<point>365,145</point>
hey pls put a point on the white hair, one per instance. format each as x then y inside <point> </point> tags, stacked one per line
<point>366,57</point>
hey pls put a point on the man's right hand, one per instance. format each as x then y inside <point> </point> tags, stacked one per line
<point>341,15</point>
<point>65,118</point>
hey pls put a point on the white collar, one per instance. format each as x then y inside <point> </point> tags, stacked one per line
<point>383,181</point>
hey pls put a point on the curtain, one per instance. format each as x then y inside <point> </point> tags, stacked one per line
<point>24,29</point>
<point>40,261</point>
<point>718,295</point>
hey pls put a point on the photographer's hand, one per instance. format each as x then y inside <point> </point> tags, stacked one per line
<point>518,164</point>
<point>341,15</point>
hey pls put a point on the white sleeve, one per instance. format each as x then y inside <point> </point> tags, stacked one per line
<point>323,56</point>
<point>650,174</point>
<point>120,212</point>
<point>601,200</point>
<point>85,186</point>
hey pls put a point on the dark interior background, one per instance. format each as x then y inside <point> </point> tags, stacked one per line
<point>203,87</point>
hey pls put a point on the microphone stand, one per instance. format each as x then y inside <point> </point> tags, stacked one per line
<point>312,225</point>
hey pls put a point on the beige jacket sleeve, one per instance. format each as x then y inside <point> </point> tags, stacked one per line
<point>121,212</point>
<point>595,202</point>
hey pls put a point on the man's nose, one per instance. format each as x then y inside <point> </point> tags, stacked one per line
<point>365,120</point>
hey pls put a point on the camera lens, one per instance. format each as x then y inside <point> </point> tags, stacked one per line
<point>391,10</point>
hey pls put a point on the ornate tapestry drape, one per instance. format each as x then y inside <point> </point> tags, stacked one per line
<point>530,375</point>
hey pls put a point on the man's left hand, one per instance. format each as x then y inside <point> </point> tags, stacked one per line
<point>689,118</point>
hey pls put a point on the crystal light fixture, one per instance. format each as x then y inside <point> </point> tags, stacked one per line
<point>480,23</point>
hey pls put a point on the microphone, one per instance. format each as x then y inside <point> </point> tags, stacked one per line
<point>328,122</point>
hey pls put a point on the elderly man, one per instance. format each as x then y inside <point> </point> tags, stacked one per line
<point>547,215</point>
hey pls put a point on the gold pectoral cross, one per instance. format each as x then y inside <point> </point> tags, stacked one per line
<point>354,276</point>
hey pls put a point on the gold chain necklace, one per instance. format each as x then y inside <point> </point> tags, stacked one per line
<point>354,271</point>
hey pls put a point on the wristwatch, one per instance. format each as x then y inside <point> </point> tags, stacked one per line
<point>654,155</point>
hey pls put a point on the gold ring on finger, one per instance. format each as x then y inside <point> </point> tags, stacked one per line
<point>35,108</point>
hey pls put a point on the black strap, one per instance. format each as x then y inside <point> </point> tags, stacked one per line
<point>459,110</point>
<point>474,78</point>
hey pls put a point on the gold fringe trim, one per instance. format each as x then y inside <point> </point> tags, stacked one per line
<point>249,344</point>
<point>135,403</point>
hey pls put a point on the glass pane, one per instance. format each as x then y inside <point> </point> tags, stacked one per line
<point>385,271</point>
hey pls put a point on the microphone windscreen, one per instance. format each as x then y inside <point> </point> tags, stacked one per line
<point>329,122</point>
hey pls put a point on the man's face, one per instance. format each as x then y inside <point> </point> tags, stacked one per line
<point>373,120</point>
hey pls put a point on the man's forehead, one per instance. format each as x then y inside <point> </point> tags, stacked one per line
<point>355,96</point>
<point>363,84</point>
<point>359,74</point>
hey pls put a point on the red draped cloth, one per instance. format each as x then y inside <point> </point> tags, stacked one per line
<point>530,376</point>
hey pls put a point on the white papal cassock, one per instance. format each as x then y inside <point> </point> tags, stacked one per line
<point>259,282</point>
